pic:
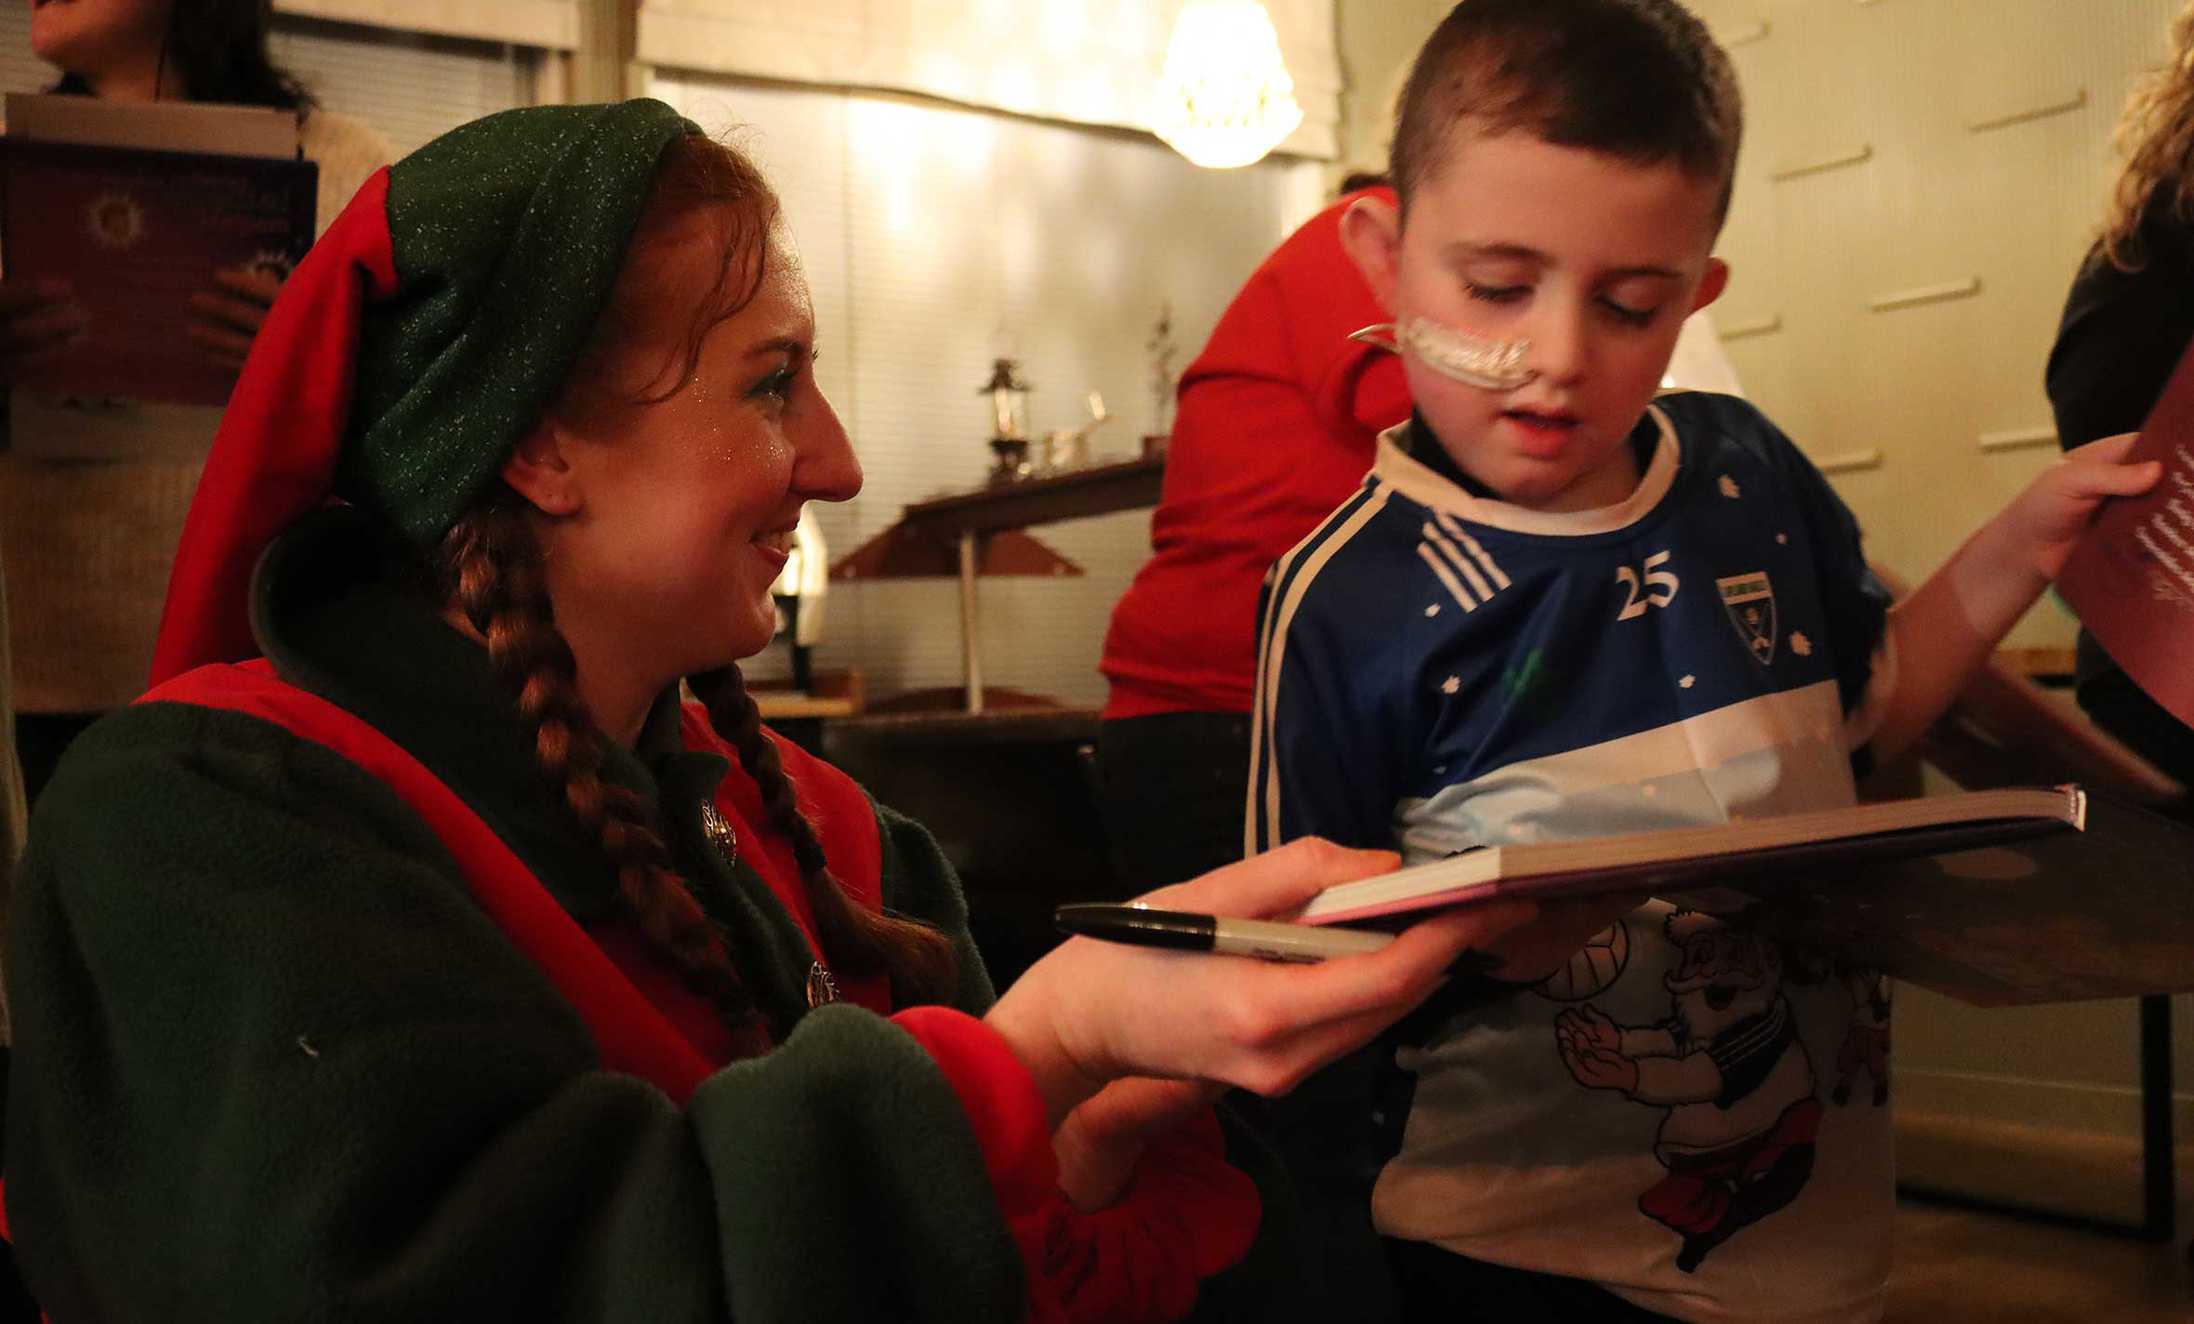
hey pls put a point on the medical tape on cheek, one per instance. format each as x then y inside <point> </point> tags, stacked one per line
<point>1492,365</point>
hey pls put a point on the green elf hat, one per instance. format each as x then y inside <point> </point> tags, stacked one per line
<point>417,342</point>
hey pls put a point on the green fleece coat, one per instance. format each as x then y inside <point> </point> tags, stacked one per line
<point>274,1062</point>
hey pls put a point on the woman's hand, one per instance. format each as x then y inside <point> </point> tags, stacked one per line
<point>225,320</point>
<point>37,319</point>
<point>1100,1142</point>
<point>1091,1012</point>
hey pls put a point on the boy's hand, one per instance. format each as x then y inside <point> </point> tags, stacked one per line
<point>1944,631</point>
<point>2050,516</point>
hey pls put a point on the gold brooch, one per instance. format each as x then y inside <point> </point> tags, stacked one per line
<point>821,987</point>
<point>720,833</point>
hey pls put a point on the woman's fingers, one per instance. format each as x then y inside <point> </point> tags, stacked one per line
<point>1138,1106</point>
<point>1276,882</point>
<point>224,310</point>
<point>1301,1017</point>
<point>23,296</point>
<point>34,329</point>
<point>1090,1012</point>
<point>221,345</point>
<point>1100,1142</point>
<point>226,319</point>
<point>43,329</point>
<point>256,286</point>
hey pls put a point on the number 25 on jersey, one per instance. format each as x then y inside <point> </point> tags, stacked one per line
<point>1646,586</point>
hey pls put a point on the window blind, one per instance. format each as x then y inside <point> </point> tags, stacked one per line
<point>411,86</point>
<point>553,24</point>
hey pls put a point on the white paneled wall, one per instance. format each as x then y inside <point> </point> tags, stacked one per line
<point>1947,160</point>
<point>1924,146</point>
<point>937,239</point>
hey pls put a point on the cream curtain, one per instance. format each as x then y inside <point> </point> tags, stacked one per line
<point>1083,61</point>
<point>550,24</point>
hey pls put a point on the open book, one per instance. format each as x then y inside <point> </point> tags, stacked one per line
<point>136,205</point>
<point>2131,579</point>
<point>1996,897</point>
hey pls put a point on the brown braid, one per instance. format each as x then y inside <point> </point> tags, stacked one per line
<point>491,567</point>
<point>856,940</point>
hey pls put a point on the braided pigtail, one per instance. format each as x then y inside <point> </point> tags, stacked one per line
<point>856,940</point>
<point>491,565</point>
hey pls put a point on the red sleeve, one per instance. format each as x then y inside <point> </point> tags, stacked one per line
<point>1187,1215</point>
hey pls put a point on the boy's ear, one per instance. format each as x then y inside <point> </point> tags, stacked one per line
<point>1371,235</point>
<point>1711,284</point>
<point>539,469</point>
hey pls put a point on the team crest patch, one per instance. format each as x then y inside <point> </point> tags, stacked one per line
<point>1750,602</point>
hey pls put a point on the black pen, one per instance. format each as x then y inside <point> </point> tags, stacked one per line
<point>1183,931</point>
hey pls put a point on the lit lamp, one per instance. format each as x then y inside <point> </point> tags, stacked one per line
<point>1008,420</point>
<point>799,592</point>
<point>1224,98</point>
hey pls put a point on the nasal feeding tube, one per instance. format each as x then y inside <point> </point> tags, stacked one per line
<point>1492,365</point>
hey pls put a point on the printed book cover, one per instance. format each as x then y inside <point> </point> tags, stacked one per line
<point>137,232</point>
<point>2132,578</point>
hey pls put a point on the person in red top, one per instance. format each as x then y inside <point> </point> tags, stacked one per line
<point>1276,423</point>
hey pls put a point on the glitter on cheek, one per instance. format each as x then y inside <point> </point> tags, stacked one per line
<point>716,422</point>
<point>734,445</point>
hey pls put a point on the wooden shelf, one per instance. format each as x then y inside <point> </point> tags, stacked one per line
<point>1078,494</point>
<point>786,705</point>
<point>916,551</point>
<point>2038,664</point>
<point>925,541</point>
<point>977,534</point>
<point>836,694</point>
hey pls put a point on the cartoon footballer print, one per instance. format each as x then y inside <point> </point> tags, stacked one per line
<point>1729,1068</point>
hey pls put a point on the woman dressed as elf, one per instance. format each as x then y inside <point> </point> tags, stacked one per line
<point>411,953</point>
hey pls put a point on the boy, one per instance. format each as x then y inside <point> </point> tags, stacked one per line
<point>1560,608</point>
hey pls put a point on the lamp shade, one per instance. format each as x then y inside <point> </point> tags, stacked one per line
<point>1224,97</point>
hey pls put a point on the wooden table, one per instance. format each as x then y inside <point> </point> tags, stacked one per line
<point>979,533</point>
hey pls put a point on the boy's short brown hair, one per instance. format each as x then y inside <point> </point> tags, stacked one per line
<point>1641,80</point>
